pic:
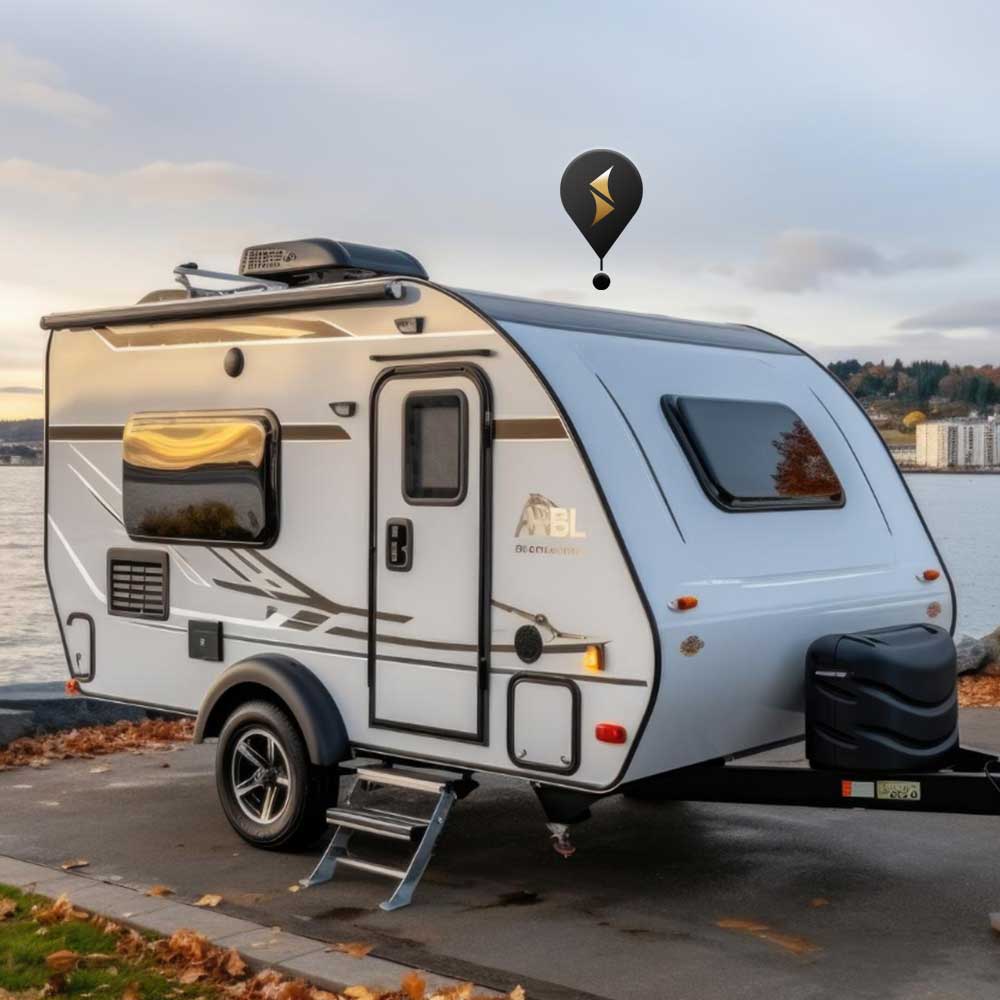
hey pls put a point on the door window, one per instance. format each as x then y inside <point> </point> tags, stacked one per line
<point>435,448</point>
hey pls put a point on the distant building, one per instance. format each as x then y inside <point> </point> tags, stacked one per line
<point>904,454</point>
<point>969,443</point>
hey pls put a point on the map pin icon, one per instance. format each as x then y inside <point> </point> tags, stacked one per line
<point>601,190</point>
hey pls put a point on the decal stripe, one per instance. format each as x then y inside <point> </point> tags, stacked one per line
<point>529,429</point>
<point>314,432</point>
<point>85,432</point>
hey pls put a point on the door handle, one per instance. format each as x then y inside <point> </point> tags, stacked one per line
<point>399,544</point>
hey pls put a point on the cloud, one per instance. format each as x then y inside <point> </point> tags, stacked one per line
<point>20,390</point>
<point>983,314</point>
<point>33,84</point>
<point>799,259</point>
<point>161,181</point>
<point>914,347</point>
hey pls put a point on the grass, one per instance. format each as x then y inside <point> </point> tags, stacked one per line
<point>893,436</point>
<point>23,951</point>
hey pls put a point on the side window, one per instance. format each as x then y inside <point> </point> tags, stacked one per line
<point>201,477</point>
<point>435,447</point>
<point>753,455</point>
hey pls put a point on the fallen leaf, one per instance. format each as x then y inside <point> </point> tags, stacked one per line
<point>191,975</point>
<point>55,986</point>
<point>209,900</point>
<point>233,965</point>
<point>62,961</point>
<point>818,902</point>
<point>517,993</point>
<point>59,912</point>
<point>100,769</point>
<point>414,986</point>
<point>68,866</point>
<point>359,993</point>
<point>7,909</point>
<point>794,943</point>
<point>159,890</point>
<point>131,992</point>
<point>295,888</point>
<point>356,949</point>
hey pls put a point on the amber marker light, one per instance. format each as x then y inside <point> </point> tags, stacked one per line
<point>929,575</point>
<point>685,603</point>
<point>610,732</point>
<point>593,659</point>
<point>72,687</point>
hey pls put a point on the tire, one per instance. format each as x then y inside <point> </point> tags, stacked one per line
<point>273,797</point>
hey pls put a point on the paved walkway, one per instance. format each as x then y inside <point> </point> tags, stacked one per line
<point>261,947</point>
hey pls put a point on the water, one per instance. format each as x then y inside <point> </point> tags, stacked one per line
<point>30,649</point>
<point>963,512</point>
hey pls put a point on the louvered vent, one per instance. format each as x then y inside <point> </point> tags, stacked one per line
<point>263,259</point>
<point>138,583</point>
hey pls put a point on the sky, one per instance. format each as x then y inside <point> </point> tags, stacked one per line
<point>825,171</point>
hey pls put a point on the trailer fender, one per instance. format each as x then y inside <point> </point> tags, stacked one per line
<point>278,678</point>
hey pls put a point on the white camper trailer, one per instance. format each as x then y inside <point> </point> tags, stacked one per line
<point>344,512</point>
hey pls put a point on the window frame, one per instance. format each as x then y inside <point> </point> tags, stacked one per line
<point>271,476</point>
<point>463,436</point>
<point>715,491</point>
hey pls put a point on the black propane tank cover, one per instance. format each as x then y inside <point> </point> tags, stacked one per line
<point>233,362</point>
<point>883,700</point>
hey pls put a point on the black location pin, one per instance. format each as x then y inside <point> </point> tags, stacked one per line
<point>601,190</point>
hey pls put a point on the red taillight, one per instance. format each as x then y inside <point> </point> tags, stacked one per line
<point>610,732</point>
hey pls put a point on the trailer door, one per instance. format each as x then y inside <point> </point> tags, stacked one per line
<point>429,601</point>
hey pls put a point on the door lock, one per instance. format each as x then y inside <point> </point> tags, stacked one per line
<point>399,544</point>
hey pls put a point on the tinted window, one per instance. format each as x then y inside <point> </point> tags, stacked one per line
<point>208,477</point>
<point>751,455</point>
<point>434,448</point>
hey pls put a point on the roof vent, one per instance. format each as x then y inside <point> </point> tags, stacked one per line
<point>320,261</point>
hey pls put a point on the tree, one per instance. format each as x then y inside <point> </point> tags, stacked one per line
<point>803,470</point>
<point>913,418</point>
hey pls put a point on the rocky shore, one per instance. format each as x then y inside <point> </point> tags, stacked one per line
<point>979,656</point>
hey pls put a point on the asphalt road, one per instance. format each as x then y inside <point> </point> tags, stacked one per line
<point>633,915</point>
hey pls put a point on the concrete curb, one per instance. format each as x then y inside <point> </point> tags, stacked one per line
<point>261,947</point>
<point>50,709</point>
<point>14,725</point>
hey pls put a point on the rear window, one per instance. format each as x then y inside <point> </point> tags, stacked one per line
<point>753,455</point>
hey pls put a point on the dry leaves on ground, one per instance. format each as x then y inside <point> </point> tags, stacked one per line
<point>7,909</point>
<point>209,900</point>
<point>979,691</point>
<point>58,912</point>
<point>159,890</point>
<point>356,949</point>
<point>68,866</point>
<point>794,943</point>
<point>95,741</point>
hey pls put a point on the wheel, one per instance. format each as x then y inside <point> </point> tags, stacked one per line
<point>271,794</point>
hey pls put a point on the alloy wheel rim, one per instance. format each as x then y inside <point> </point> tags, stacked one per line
<point>261,777</point>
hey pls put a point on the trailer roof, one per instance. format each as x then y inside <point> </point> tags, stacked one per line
<point>498,308</point>
<point>618,323</point>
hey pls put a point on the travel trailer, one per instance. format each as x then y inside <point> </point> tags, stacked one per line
<point>349,517</point>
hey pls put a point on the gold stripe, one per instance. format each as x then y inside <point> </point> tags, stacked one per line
<point>85,432</point>
<point>234,331</point>
<point>314,432</point>
<point>529,429</point>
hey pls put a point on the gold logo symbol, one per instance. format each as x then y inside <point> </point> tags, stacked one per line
<point>541,516</point>
<point>604,204</point>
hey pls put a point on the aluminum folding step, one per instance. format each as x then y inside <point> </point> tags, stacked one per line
<point>395,826</point>
<point>389,824</point>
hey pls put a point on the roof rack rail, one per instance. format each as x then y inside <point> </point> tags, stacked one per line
<point>184,272</point>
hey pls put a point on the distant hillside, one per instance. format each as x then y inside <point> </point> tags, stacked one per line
<point>935,387</point>
<point>21,431</point>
